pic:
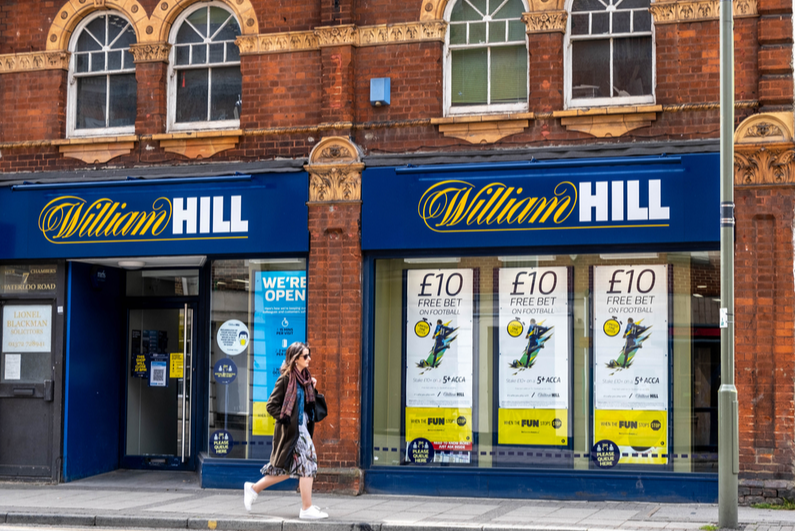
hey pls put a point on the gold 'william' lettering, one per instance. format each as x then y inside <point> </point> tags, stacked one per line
<point>70,219</point>
<point>460,206</point>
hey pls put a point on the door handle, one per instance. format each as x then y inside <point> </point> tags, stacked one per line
<point>49,386</point>
<point>24,391</point>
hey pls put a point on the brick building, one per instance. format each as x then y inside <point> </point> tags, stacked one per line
<point>186,187</point>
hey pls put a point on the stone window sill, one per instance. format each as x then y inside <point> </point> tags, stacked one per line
<point>608,122</point>
<point>483,129</point>
<point>199,144</point>
<point>96,150</point>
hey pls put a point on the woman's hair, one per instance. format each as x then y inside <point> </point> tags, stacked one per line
<point>291,356</point>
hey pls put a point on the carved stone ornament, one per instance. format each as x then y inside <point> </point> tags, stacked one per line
<point>674,12</point>
<point>33,61</point>
<point>765,128</point>
<point>337,36</point>
<point>335,171</point>
<point>150,53</point>
<point>545,22</point>
<point>293,41</point>
<point>340,183</point>
<point>764,166</point>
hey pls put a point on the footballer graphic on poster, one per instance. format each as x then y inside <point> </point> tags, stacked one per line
<point>534,338</point>
<point>439,338</point>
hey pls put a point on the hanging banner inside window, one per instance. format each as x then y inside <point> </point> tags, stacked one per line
<point>631,360</point>
<point>279,320</point>
<point>534,338</point>
<point>27,328</point>
<point>439,338</point>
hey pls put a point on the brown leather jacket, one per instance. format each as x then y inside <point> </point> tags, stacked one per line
<point>284,437</point>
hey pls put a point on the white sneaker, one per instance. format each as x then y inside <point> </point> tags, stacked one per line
<point>249,495</point>
<point>313,513</point>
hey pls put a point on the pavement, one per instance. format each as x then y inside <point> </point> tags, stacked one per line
<point>175,500</point>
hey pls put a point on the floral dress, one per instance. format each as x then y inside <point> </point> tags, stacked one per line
<point>304,461</point>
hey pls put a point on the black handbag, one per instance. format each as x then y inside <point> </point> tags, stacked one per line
<point>321,409</point>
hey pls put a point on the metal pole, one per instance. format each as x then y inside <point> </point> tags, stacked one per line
<point>728,435</point>
<point>184,375</point>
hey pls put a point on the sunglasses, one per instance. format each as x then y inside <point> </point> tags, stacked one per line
<point>307,355</point>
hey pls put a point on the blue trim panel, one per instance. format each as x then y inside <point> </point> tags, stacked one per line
<point>67,363</point>
<point>232,473</point>
<point>129,182</point>
<point>537,165</point>
<point>544,484</point>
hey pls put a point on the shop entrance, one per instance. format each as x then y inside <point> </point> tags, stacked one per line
<point>159,386</point>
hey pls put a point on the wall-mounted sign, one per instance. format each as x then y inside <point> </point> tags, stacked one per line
<point>233,337</point>
<point>176,365</point>
<point>38,279</point>
<point>27,328</point>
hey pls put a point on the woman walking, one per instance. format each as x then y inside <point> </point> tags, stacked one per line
<point>292,405</point>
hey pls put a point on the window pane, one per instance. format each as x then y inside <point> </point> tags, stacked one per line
<point>633,4</point>
<point>632,63</point>
<point>183,55</point>
<point>91,99</point>
<point>587,5</point>
<point>192,87</point>
<point>227,88</point>
<point>97,29</point>
<point>125,39</point>
<point>511,9</point>
<point>199,54</point>
<point>199,20</point>
<point>477,33</point>
<point>232,52</point>
<point>87,43</point>
<point>600,23</point>
<point>115,25</point>
<point>480,5</point>
<point>458,33</point>
<point>641,21</point>
<point>469,77</point>
<point>497,31</point>
<point>579,24</point>
<point>463,11</point>
<point>517,30</point>
<point>114,60</point>
<point>98,61</point>
<point>129,60</point>
<point>590,69</point>
<point>621,22</point>
<point>216,53</point>
<point>188,34</point>
<point>229,32</point>
<point>508,74</point>
<point>218,17</point>
<point>82,62</point>
<point>122,100</point>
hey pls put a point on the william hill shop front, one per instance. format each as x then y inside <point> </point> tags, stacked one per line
<point>147,318</point>
<point>543,329</point>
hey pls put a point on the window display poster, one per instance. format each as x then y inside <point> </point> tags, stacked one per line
<point>27,328</point>
<point>543,427</point>
<point>279,320</point>
<point>439,338</point>
<point>641,436</point>
<point>448,429</point>
<point>534,338</point>
<point>631,337</point>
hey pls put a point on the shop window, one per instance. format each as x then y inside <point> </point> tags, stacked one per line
<point>486,57</point>
<point>258,310</point>
<point>611,53</point>
<point>589,362</point>
<point>102,87</point>
<point>205,80</point>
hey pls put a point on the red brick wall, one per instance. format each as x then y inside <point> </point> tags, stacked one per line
<point>764,360</point>
<point>546,72</point>
<point>33,106</point>
<point>336,12</point>
<point>338,88</point>
<point>775,80</point>
<point>281,90</point>
<point>5,27</point>
<point>151,107</point>
<point>415,71</point>
<point>334,303</point>
<point>370,12</point>
<point>287,15</point>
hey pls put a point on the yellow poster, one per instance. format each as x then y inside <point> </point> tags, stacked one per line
<point>449,429</point>
<point>546,427</point>
<point>642,436</point>
<point>263,422</point>
<point>177,365</point>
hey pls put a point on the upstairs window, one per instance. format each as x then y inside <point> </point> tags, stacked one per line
<point>486,57</point>
<point>206,84</point>
<point>611,55</point>
<point>102,86</point>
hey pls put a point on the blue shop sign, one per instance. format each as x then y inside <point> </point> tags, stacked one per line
<point>239,214</point>
<point>627,201</point>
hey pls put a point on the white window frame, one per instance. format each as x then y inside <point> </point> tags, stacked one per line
<point>568,74</point>
<point>71,91</point>
<point>172,125</point>
<point>499,108</point>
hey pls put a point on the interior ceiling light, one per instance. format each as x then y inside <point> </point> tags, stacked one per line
<point>131,264</point>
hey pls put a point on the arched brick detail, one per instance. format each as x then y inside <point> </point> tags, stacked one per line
<point>432,9</point>
<point>73,11</point>
<point>167,11</point>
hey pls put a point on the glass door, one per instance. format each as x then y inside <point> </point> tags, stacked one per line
<point>159,387</point>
